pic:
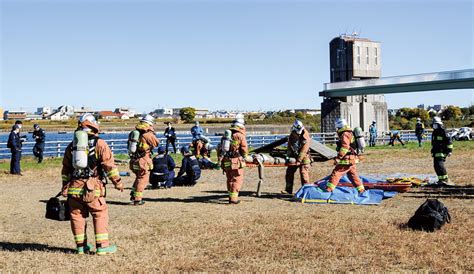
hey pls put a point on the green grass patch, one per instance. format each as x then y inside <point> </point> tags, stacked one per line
<point>31,163</point>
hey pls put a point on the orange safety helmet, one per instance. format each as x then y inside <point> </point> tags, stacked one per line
<point>88,121</point>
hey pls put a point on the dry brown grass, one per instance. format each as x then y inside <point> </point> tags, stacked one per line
<point>192,229</point>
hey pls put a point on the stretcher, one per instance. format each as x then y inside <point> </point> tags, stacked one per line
<point>389,184</point>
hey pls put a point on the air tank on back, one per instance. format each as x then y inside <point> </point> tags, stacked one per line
<point>80,149</point>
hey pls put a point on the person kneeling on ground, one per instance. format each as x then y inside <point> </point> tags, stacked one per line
<point>163,169</point>
<point>190,167</point>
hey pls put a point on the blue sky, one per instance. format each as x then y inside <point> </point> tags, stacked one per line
<point>246,55</point>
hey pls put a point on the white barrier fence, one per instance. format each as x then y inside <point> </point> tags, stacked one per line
<point>119,146</point>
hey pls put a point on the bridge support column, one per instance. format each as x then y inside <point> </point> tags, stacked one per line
<point>359,111</point>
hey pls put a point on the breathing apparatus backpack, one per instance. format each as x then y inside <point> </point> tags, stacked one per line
<point>359,140</point>
<point>204,138</point>
<point>225,142</point>
<point>132,143</point>
<point>83,154</point>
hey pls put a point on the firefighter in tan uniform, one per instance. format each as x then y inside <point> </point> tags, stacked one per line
<point>234,160</point>
<point>298,148</point>
<point>346,158</point>
<point>141,162</point>
<point>85,162</point>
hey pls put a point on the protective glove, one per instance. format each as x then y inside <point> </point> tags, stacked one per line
<point>119,185</point>
<point>64,190</point>
<point>449,154</point>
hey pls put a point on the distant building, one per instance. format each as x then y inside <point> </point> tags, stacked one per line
<point>33,116</point>
<point>15,115</point>
<point>64,112</point>
<point>354,58</point>
<point>78,112</point>
<point>437,108</point>
<point>44,111</point>
<point>109,115</point>
<point>222,114</point>
<point>421,106</point>
<point>307,111</point>
<point>393,112</point>
<point>201,113</point>
<point>126,111</point>
<point>58,116</point>
<point>163,113</point>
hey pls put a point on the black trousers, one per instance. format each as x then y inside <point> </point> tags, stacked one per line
<point>15,162</point>
<point>420,139</point>
<point>38,151</point>
<point>438,163</point>
<point>184,181</point>
<point>172,141</point>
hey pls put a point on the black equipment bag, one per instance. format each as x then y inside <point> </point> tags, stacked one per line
<point>430,216</point>
<point>57,209</point>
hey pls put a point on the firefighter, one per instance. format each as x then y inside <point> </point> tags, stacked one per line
<point>372,133</point>
<point>190,171</point>
<point>170,134</point>
<point>441,147</point>
<point>14,144</point>
<point>40,137</point>
<point>141,162</point>
<point>234,160</point>
<point>419,131</point>
<point>82,174</point>
<point>394,134</point>
<point>346,158</point>
<point>163,170</point>
<point>298,148</point>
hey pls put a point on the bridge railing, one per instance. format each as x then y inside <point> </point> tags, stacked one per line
<point>119,146</point>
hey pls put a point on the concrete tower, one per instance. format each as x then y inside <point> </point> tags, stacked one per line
<point>351,59</point>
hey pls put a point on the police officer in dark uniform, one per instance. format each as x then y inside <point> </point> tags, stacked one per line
<point>170,134</point>
<point>14,144</point>
<point>40,138</point>
<point>190,167</point>
<point>163,170</point>
<point>441,147</point>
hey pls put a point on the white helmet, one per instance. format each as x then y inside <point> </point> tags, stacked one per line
<point>88,121</point>
<point>148,119</point>
<point>297,127</point>
<point>239,117</point>
<point>437,120</point>
<point>340,123</point>
<point>239,123</point>
<point>418,119</point>
<point>373,122</point>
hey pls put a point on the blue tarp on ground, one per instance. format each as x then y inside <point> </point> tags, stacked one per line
<point>341,195</point>
<point>345,179</point>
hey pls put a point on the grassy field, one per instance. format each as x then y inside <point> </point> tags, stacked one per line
<point>193,229</point>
